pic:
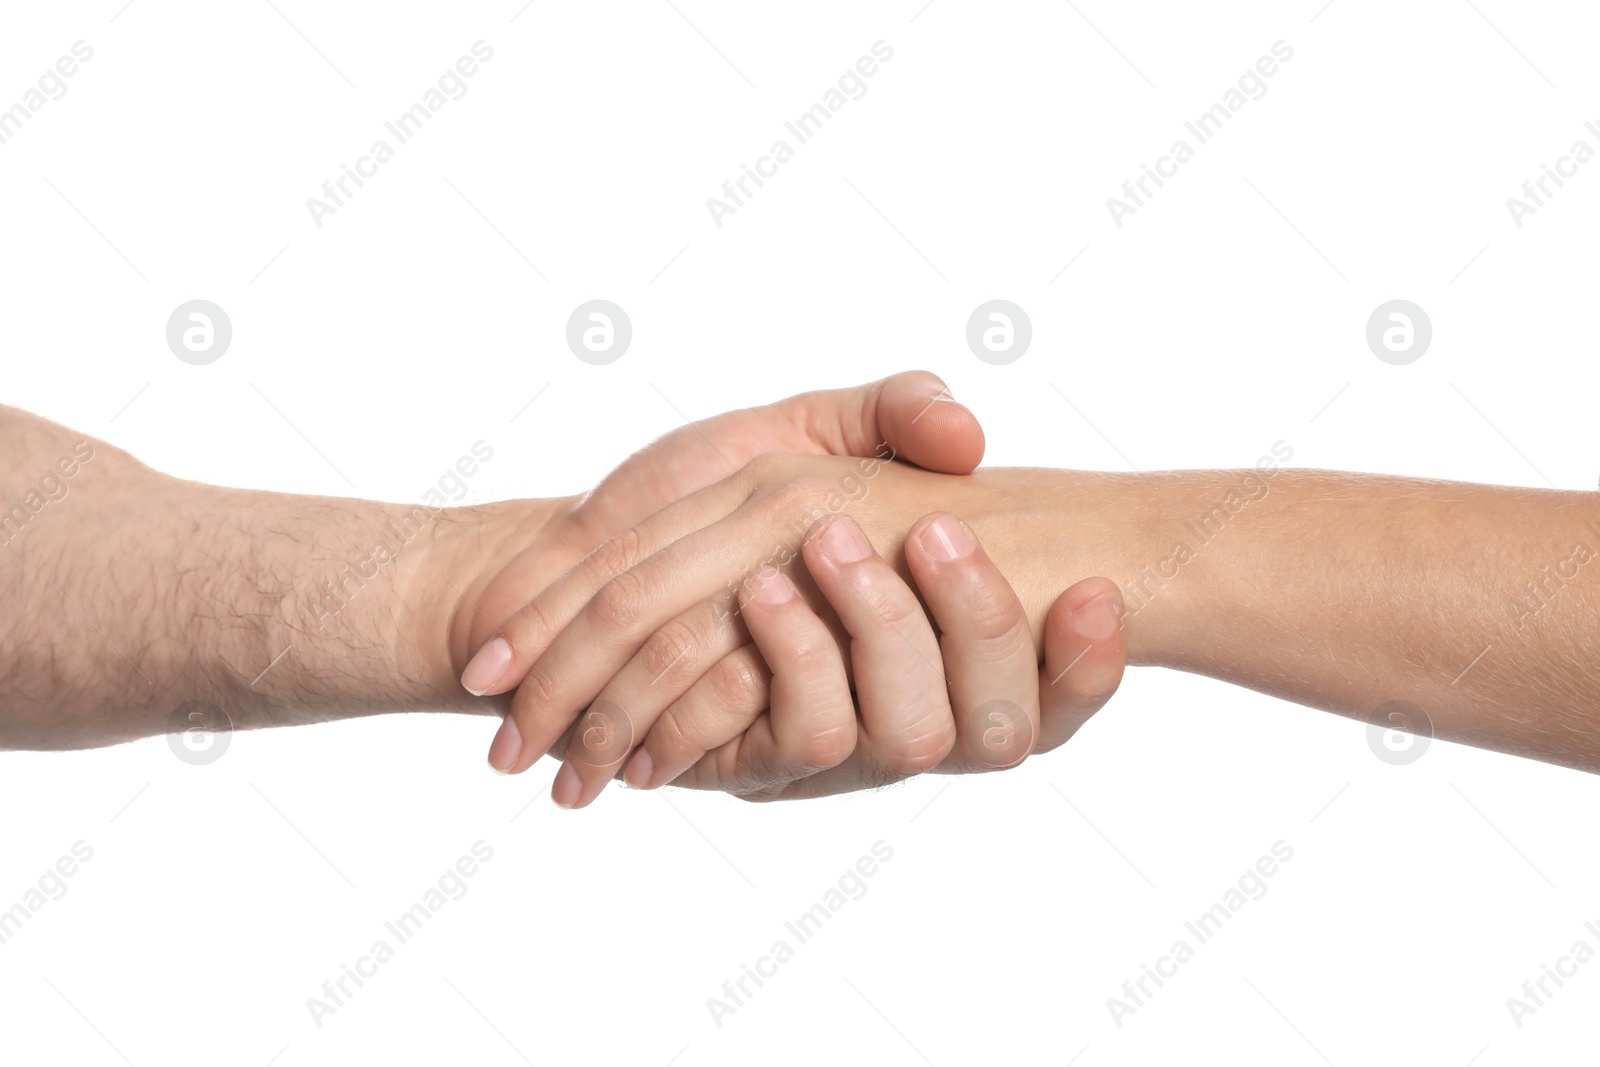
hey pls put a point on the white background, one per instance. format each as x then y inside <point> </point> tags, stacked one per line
<point>1226,315</point>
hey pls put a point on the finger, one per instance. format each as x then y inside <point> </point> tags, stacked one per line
<point>1085,653</point>
<point>717,709</point>
<point>811,728</point>
<point>605,634</point>
<point>985,641</point>
<point>899,676</point>
<point>671,660</point>
<point>503,661</point>
<point>677,657</point>
<point>721,705</point>
<point>610,628</point>
<point>812,723</point>
<point>910,414</point>
<point>1083,666</point>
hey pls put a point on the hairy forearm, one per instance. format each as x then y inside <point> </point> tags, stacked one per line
<point>132,596</point>
<point>1477,604</point>
<point>335,608</point>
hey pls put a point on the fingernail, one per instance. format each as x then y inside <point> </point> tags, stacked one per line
<point>640,768</point>
<point>506,746</point>
<point>487,667</point>
<point>843,542</point>
<point>565,789</point>
<point>770,586</point>
<point>947,538</point>
<point>1096,620</point>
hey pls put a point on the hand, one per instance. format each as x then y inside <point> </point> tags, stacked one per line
<point>910,414</point>
<point>972,699</point>
<point>145,594</point>
<point>648,613</point>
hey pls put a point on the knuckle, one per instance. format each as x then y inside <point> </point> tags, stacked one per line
<point>913,754</point>
<point>802,501</point>
<point>670,735</point>
<point>809,657</point>
<point>990,614</point>
<point>538,690</point>
<point>823,749</point>
<point>890,601</point>
<point>621,602</point>
<point>736,684</point>
<point>670,650</point>
<point>615,555</point>
<point>529,631</point>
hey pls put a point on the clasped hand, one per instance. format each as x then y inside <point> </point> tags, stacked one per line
<point>803,625</point>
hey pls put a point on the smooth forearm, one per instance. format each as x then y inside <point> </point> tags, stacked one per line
<point>1348,592</point>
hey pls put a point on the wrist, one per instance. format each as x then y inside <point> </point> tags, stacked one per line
<point>1178,545</point>
<point>487,563</point>
<point>1151,534</point>
<point>347,607</point>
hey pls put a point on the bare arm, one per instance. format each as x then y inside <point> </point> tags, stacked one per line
<point>1346,592</point>
<point>130,595</point>
<point>1478,604</point>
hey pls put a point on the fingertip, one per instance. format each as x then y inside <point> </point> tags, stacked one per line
<point>485,673</point>
<point>1094,608</point>
<point>566,788</point>
<point>945,437</point>
<point>766,589</point>
<point>928,426</point>
<point>939,538</point>
<point>639,770</point>
<point>1084,638</point>
<point>506,748</point>
<point>837,540</point>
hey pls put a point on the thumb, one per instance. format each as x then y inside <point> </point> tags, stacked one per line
<point>1084,657</point>
<point>912,412</point>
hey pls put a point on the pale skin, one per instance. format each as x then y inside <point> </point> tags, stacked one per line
<point>132,596</point>
<point>1341,591</point>
<point>135,593</point>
